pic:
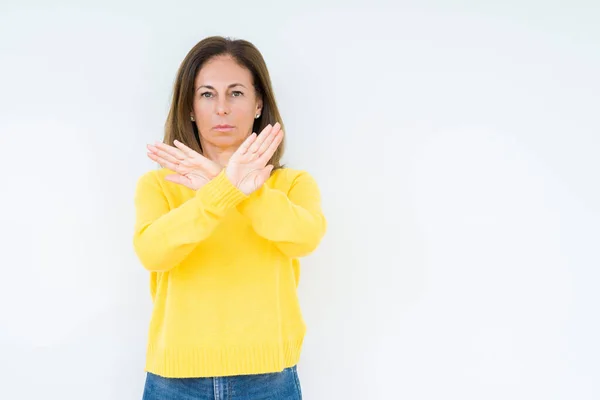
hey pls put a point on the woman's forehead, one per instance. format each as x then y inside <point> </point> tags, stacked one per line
<point>223,72</point>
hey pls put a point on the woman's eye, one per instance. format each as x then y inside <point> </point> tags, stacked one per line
<point>206,93</point>
<point>237,93</point>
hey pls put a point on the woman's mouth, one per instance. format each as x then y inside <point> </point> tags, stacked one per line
<point>223,128</point>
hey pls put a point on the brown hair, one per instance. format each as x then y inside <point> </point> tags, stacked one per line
<point>179,126</point>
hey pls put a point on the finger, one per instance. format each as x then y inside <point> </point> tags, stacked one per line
<point>193,158</point>
<point>266,156</point>
<point>266,143</point>
<point>170,150</point>
<point>157,159</point>
<point>161,160</point>
<point>266,134</point>
<point>186,150</point>
<point>246,144</point>
<point>163,154</point>
<point>269,127</point>
<point>167,164</point>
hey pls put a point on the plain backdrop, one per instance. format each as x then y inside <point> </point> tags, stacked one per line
<point>456,145</point>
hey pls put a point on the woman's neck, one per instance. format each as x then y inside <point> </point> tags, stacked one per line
<point>217,154</point>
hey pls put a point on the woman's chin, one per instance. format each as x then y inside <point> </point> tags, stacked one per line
<point>226,141</point>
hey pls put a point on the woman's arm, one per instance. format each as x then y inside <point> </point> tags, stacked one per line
<point>294,220</point>
<point>163,237</point>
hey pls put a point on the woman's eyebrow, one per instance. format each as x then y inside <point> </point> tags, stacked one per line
<point>212,88</point>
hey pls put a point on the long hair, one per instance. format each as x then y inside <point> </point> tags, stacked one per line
<point>179,126</point>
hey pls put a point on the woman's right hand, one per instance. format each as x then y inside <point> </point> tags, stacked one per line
<point>193,169</point>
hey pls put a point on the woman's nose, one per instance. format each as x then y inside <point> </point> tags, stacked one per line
<point>222,107</point>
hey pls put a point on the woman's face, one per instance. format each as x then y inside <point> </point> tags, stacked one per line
<point>224,95</point>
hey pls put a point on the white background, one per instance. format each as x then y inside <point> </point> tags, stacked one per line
<point>456,146</point>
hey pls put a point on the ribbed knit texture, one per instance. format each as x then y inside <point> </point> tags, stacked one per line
<point>224,271</point>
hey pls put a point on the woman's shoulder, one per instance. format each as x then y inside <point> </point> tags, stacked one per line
<point>287,177</point>
<point>154,174</point>
<point>291,174</point>
<point>154,178</point>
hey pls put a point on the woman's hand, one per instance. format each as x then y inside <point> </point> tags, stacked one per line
<point>247,168</point>
<point>193,169</point>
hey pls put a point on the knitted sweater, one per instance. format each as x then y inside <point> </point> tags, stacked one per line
<point>224,271</point>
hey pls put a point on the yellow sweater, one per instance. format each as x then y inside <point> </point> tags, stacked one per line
<point>224,272</point>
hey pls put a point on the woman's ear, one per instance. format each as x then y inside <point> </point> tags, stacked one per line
<point>259,106</point>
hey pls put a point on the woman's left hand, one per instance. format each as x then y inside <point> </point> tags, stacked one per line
<point>247,168</point>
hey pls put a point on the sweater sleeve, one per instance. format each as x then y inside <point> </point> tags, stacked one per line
<point>164,237</point>
<point>294,220</point>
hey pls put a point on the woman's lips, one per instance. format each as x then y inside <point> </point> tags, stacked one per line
<point>223,128</point>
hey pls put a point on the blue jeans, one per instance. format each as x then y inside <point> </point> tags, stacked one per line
<point>283,385</point>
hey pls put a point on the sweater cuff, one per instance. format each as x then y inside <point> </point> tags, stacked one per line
<point>220,193</point>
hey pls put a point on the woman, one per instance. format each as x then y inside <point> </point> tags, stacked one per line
<point>220,228</point>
